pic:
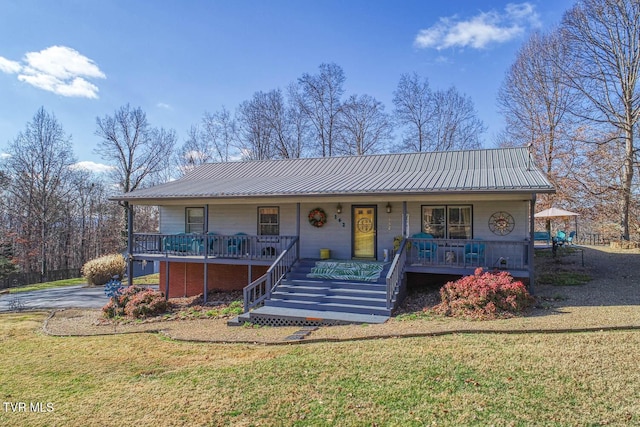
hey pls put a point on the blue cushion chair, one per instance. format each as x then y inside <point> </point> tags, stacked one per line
<point>474,253</point>
<point>237,244</point>
<point>426,250</point>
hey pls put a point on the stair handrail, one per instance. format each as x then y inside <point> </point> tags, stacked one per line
<point>260,289</point>
<point>396,272</point>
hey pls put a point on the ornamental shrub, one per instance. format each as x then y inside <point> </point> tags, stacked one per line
<point>138,302</point>
<point>100,270</point>
<point>484,295</point>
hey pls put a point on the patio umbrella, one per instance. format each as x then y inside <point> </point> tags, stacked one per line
<point>556,213</point>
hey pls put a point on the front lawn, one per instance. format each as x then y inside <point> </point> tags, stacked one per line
<point>151,279</point>
<point>461,379</point>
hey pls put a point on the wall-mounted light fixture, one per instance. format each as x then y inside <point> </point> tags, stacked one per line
<point>388,207</point>
<point>339,208</point>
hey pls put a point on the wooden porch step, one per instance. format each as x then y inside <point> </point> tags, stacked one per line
<point>356,300</point>
<point>332,289</point>
<point>342,307</point>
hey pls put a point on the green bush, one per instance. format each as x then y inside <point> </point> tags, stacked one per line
<point>484,295</point>
<point>137,302</point>
<point>100,270</point>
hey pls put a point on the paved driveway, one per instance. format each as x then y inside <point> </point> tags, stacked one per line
<point>65,297</point>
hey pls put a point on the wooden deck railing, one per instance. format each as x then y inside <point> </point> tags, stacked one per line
<point>211,245</point>
<point>260,289</point>
<point>454,253</point>
<point>395,276</point>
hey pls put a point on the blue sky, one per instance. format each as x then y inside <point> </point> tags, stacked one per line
<point>84,59</point>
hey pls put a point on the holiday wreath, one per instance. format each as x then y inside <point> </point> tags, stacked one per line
<point>317,217</point>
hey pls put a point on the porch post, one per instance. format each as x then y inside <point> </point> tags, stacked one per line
<point>298,230</point>
<point>532,227</point>
<point>404,219</point>
<point>166,280</point>
<point>206,252</point>
<point>206,279</point>
<point>130,244</point>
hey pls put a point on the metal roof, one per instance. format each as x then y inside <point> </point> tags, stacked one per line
<point>488,170</point>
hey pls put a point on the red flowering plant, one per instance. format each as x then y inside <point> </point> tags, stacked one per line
<point>484,295</point>
<point>137,302</point>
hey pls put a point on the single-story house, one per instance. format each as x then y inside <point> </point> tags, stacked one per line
<point>272,227</point>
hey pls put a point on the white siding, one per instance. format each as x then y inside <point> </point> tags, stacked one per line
<point>482,211</point>
<point>336,234</point>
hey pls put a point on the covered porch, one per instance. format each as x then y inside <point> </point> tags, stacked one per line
<point>423,255</point>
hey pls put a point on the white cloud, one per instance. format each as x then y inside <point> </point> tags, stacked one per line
<point>92,167</point>
<point>57,69</point>
<point>4,155</point>
<point>9,67</point>
<point>163,105</point>
<point>481,30</point>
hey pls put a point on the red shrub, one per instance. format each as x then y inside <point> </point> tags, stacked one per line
<point>138,302</point>
<point>484,296</point>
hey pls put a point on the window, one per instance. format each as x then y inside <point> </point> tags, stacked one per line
<point>268,221</point>
<point>194,220</point>
<point>447,222</point>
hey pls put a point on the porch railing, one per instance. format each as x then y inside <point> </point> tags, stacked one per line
<point>395,276</point>
<point>489,254</point>
<point>211,245</point>
<point>260,289</point>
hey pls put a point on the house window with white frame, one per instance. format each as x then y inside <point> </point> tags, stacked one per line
<point>194,220</point>
<point>448,222</point>
<point>268,221</point>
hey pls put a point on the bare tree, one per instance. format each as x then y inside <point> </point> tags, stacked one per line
<point>319,97</point>
<point>254,130</point>
<point>39,167</point>
<point>365,127</point>
<point>535,101</point>
<point>213,140</point>
<point>603,37</point>
<point>441,120</point>
<point>413,111</point>
<point>282,121</point>
<point>455,125</point>
<point>134,149</point>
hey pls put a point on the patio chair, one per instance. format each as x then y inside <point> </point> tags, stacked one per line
<point>237,244</point>
<point>561,237</point>
<point>571,237</point>
<point>474,253</point>
<point>211,240</point>
<point>426,250</point>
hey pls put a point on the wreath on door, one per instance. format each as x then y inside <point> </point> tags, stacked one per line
<point>317,217</point>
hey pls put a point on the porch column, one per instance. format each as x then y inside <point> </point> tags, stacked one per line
<point>130,244</point>
<point>166,280</point>
<point>532,227</point>
<point>298,230</point>
<point>404,219</point>
<point>206,252</point>
<point>206,279</point>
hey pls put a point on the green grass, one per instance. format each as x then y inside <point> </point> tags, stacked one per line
<point>48,285</point>
<point>151,279</point>
<point>564,278</point>
<point>463,379</point>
